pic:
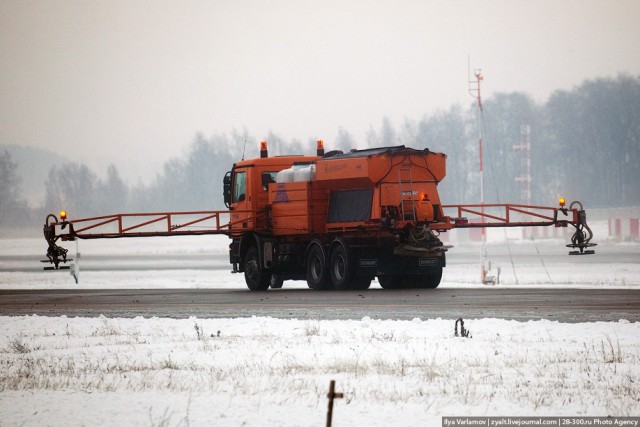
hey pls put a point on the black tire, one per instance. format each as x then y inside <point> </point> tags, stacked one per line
<point>317,274</point>
<point>433,280</point>
<point>391,282</point>
<point>340,269</point>
<point>424,281</point>
<point>414,281</point>
<point>256,277</point>
<point>276,281</point>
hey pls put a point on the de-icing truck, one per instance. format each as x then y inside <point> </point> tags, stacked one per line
<point>337,220</point>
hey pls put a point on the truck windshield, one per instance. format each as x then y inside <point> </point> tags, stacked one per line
<point>239,187</point>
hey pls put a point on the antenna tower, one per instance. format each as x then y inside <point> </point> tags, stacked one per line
<point>525,178</point>
<point>474,91</point>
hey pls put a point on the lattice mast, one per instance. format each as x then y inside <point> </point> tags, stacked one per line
<point>475,92</point>
<point>524,147</point>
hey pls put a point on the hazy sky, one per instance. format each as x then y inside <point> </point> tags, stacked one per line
<point>131,82</point>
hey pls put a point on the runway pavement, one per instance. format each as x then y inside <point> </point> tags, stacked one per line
<point>564,305</point>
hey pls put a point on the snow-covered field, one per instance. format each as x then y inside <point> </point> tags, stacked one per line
<point>271,372</point>
<point>274,372</point>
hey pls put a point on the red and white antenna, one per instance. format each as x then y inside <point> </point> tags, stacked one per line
<point>474,91</point>
<point>524,179</point>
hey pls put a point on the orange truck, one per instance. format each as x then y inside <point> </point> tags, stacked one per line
<point>337,220</point>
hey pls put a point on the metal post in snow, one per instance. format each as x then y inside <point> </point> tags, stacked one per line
<point>75,266</point>
<point>332,395</point>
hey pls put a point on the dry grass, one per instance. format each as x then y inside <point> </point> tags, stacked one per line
<point>387,365</point>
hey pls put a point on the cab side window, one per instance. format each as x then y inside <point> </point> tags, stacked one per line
<point>240,187</point>
<point>268,178</point>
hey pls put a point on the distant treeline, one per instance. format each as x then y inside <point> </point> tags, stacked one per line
<point>584,145</point>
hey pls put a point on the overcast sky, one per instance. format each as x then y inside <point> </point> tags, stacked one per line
<point>131,82</point>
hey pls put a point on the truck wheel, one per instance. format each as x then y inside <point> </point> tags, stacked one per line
<point>317,276</point>
<point>424,281</point>
<point>432,280</point>
<point>415,281</point>
<point>390,282</point>
<point>340,270</point>
<point>276,281</point>
<point>255,276</point>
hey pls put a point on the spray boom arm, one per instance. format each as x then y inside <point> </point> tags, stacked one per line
<point>514,215</point>
<point>133,225</point>
<point>219,222</point>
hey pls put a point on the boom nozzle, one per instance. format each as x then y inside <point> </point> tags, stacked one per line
<point>55,253</point>
<point>581,239</point>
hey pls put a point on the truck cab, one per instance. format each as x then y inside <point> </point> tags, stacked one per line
<point>246,189</point>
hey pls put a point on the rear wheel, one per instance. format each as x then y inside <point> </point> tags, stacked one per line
<point>256,277</point>
<point>317,275</point>
<point>341,270</point>
<point>424,281</point>
<point>390,282</point>
<point>276,281</point>
<point>433,280</point>
<point>413,282</point>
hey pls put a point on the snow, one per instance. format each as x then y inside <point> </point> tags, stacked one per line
<point>266,371</point>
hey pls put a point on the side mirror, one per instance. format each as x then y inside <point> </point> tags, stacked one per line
<point>226,189</point>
